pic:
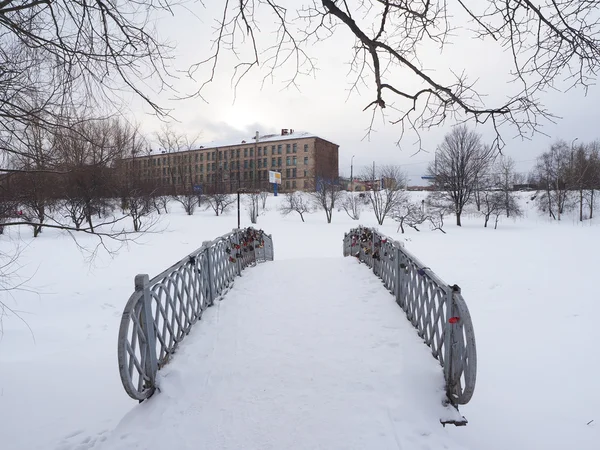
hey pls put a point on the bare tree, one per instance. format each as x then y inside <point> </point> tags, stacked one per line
<point>460,161</point>
<point>584,174</point>
<point>180,166</point>
<point>88,152</point>
<point>553,173</point>
<point>594,156</point>
<point>264,195</point>
<point>410,214</point>
<point>253,203</point>
<point>35,185</point>
<point>546,40</point>
<point>66,54</point>
<point>219,202</point>
<point>295,202</point>
<point>162,202</point>
<point>437,208</point>
<point>138,203</point>
<point>326,195</point>
<point>351,205</point>
<point>389,195</point>
<point>504,178</point>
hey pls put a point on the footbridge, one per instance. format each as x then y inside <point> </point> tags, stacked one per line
<point>229,348</point>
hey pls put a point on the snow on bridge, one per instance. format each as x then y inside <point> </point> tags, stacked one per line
<point>299,354</point>
<point>306,353</point>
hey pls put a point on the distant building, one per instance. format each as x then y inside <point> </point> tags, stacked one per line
<point>301,158</point>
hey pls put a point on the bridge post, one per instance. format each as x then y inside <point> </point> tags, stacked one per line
<point>142,284</point>
<point>399,270</point>
<point>450,346</point>
<point>209,275</point>
<point>238,261</point>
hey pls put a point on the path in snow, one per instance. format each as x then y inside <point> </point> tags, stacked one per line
<point>301,354</point>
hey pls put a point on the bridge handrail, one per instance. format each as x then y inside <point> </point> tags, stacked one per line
<point>162,310</point>
<point>437,310</point>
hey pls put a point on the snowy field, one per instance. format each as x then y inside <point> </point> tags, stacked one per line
<point>530,286</point>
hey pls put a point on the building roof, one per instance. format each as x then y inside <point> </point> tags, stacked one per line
<point>249,140</point>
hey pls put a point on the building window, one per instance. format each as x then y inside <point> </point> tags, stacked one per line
<point>251,175</point>
<point>251,152</point>
<point>295,161</point>
<point>273,162</point>
<point>237,165</point>
<point>214,166</point>
<point>306,173</point>
<point>294,148</point>
<point>245,153</point>
<point>225,165</point>
<point>294,184</point>
<point>272,149</point>
<point>306,160</point>
<point>245,164</point>
<point>287,173</point>
<point>252,164</point>
<point>287,184</point>
<point>279,149</point>
<point>288,161</point>
<point>201,157</point>
<point>220,155</point>
<point>259,164</point>
<point>259,151</point>
<point>287,148</point>
<point>293,173</point>
<point>279,162</point>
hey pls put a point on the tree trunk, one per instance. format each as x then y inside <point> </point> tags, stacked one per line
<point>592,205</point>
<point>458,214</point>
<point>487,217</point>
<point>90,222</point>
<point>581,205</point>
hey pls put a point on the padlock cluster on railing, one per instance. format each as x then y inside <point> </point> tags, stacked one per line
<point>250,240</point>
<point>438,311</point>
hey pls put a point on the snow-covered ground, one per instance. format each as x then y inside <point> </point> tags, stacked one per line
<point>530,286</point>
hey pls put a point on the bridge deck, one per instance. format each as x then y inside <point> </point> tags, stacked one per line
<point>300,354</point>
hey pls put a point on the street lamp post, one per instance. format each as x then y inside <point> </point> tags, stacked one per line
<point>352,174</point>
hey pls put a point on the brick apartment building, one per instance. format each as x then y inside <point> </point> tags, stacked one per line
<point>301,158</point>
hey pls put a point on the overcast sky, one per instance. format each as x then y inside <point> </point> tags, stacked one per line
<point>322,106</point>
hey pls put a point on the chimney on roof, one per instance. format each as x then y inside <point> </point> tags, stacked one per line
<point>284,131</point>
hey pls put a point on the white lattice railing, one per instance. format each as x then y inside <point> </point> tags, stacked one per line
<point>162,310</point>
<point>438,311</point>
